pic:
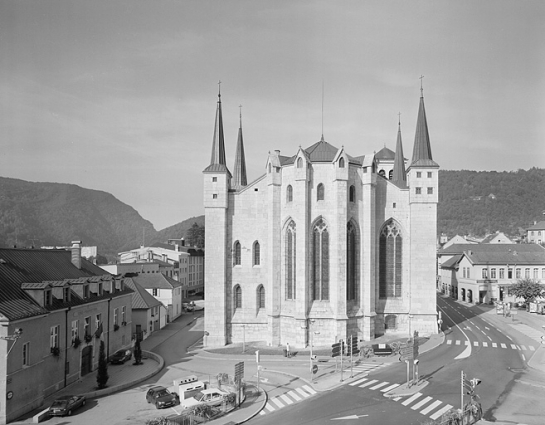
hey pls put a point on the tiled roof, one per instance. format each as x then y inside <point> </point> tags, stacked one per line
<point>156,281</point>
<point>385,153</point>
<point>34,266</point>
<point>321,152</point>
<point>499,253</point>
<point>188,249</point>
<point>537,226</point>
<point>141,299</point>
<point>452,262</point>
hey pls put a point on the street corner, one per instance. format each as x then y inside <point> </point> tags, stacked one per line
<point>406,390</point>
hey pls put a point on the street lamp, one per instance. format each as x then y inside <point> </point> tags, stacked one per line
<point>243,338</point>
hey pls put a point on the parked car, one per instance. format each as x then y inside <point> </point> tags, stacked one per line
<point>210,396</point>
<point>121,356</point>
<point>190,306</point>
<point>65,405</point>
<point>162,397</point>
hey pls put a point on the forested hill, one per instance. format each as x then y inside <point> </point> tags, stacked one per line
<point>481,202</point>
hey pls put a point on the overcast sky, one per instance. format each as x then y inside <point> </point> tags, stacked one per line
<point>120,96</point>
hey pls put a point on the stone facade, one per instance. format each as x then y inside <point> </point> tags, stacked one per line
<point>298,250</point>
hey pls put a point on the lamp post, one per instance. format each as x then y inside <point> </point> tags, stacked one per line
<point>243,338</point>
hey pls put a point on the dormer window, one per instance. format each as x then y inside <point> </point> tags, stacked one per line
<point>86,292</point>
<point>66,294</point>
<point>299,162</point>
<point>100,289</point>
<point>48,298</point>
<point>341,163</point>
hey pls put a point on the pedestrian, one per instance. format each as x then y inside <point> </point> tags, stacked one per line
<point>288,349</point>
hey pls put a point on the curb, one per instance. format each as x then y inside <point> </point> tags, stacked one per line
<point>266,399</point>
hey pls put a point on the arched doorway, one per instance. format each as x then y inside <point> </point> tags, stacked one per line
<point>463,294</point>
<point>86,360</point>
<point>469,296</point>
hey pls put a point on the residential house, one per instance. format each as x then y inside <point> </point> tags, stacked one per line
<point>165,289</point>
<point>56,308</point>
<point>536,233</point>
<point>498,237</point>
<point>148,313</point>
<point>483,273</point>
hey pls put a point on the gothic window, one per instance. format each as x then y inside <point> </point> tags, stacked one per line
<point>352,193</point>
<point>299,162</point>
<point>291,271</point>
<point>382,173</point>
<point>289,193</point>
<point>341,163</point>
<point>390,260</point>
<point>320,263</point>
<point>260,297</point>
<point>257,254</point>
<point>390,174</point>
<point>320,192</point>
<point>238,297</point>
<point>270,167</point>
<point>351,256</point>
<point>237,255</point>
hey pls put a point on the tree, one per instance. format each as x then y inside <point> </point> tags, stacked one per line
<point>527,289</point>
<point>137,352</point>
<point>195,235</point>
<point>102,373</point>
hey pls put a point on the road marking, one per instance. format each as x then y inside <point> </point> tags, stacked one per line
<point>508,337</point>
<point>503,345</point>
<point>523,358</point>
<point>485,344</point>
<point>476,343</point>
<point>391,387</point>
<point>309,389</point>
<point>270,408</point>
<point>449,341</point>
<point>411,399</point>
<point>278,403</point>
<point>490,339</point>
<point>369,383</point>
<point>457,342</point>
<point>348,417</point>
<point>441,411</point>
<point>302,392</point>
<point>513,346</point>
<point>396,398</point>
<point>421,403</point>
<point>376,387</point>
<point>532,348</point>
<point>494,345</point>
<point>431,407</point>
<point>359,381</point>
<point>294,395</point>
<point>523,347</point>
<point>467,343</point>
<point>286,399</point>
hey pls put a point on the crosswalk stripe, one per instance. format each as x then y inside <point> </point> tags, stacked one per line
<point>309,389</point>
<point>457,342</point>
<point>532,348</point>
<point>396,398</point>
<point>391,387</point>
<point>523,347</point>
<point>441,412</point>
<point>411,399</point>
<point>449,341</point>
<point>269,407</point>
<point>485,344</point>
<point>302,392</point>
<point>278,403</point>
<point>294,395</point>
<point>261,412</point>
<point>286,399</point>
<point>359,381</point>
<point>513,346</point>
<point>376,387</point>
<point>431,407</point>
<point>421,403</point>
<point>494,345</point>
<point>503,345</point>
<point>368,383</point>
<point>475,343</point>
<point>466,342</point>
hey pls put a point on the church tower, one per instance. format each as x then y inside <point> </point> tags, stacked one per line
<point>423,181</point>
<point>217,182</point>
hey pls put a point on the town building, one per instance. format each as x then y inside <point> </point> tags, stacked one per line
<point>536,233</point>
<point>320,245</point>
<point>498,237</point>
<point>148,313</point>
<point>166,290</point>
<point>56,308</point>
<point>483,273</point>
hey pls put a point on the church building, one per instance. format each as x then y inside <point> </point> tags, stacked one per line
<point>322,246</point>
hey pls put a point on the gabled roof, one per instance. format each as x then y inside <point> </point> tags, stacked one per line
<point>520,254</point>
<point>156,281</point>
<point>493,236</point>
<point>321,152</point>
<point>141,299</point>
<point>537,226</point>
<point>452,263</point>
<point>385,153</point>
<point>35,266</point>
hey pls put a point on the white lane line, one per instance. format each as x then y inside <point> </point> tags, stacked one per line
<point>513,346</point>
<point>368,383</point>
<point>294,395</point>
<point>494,345</point>
<point>523,358</point>
<point>431,407</point>
<point>490,339</point>
<point>397,399</point>
<point>467,351</point>
<point>467,343</point>
<point>391,387</point>
<point>269,408</point>
<point>278,403</point>
<point>441,411</point>
<point>376,387</point>
<point>309,389</point>
<point>359,381</point>
<point>503,345</point>
<point>411,399</point>
<point>302,392</point>
<point>286,399</point>
<point>508,337</point>
<point>421,403</point>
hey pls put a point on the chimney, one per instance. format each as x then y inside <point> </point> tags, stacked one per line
<point>176,247</point>
<point>76,254</point>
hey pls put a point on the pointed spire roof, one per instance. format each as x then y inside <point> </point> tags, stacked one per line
<point>217,160</point>
<point>422,149</point>
<point>399,176</point>
<point>240,179</point>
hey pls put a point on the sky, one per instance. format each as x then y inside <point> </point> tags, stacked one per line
<point>120,96</point>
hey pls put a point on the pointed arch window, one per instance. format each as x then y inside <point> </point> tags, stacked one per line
<point>299,162</point>
<point>390,260</point>
<point>341,163</point>
<point>390,174</point>
<point>257,254</point>
<point>352,194</point>
<point>238,297</point>
<point>320,263</point>
<point>237,254</point>
<point>289,193</point>
<point>320,192</point>
<point>382,173</point>
<point>260,297</point>
<point>290,258</point>
<point>351,261</point>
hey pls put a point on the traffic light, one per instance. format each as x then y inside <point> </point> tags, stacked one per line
<point>338,348</point>
<point>353,346</point>
<point>475,382</point>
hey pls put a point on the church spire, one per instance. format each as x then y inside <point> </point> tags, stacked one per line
<point>218,144</point>
<point>422,148</point>
<point>240,179</point>
<point>399,176</point>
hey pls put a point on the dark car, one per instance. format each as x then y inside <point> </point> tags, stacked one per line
<point>162,397</point>
<point>120,356</point>
<point>65,405</point>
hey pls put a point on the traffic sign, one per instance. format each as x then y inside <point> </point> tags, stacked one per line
<point>338,348</point>
<point>353,345</point>
<point>315,368</point>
